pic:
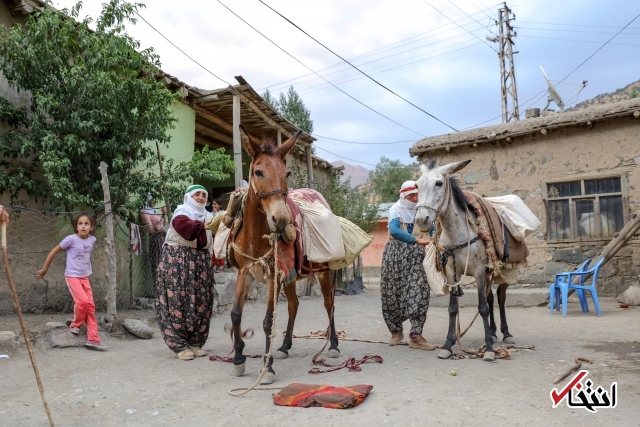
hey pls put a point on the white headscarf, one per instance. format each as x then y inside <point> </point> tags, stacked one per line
<point>403,209</point>
<point>192,209</point>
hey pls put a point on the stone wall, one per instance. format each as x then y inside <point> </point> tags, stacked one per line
<point>521,166</point>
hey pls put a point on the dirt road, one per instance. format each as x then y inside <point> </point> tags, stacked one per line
<point>141,383</point>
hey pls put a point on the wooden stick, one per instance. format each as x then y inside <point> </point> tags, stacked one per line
<point>568,372</point>
<point>5,258</point>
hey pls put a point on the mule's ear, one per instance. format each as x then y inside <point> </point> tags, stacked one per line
<point>454,167</point>
<point>423,168</point>
<point>249,143</point>
<point>288,145</point>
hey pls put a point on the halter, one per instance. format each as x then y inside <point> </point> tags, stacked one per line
<point>270,193</point>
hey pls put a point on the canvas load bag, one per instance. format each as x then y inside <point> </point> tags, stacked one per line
<point>220,241</point>
<point>321,233</point>
<point>436,279</point>
<point>515,215</point>
<point>355,240</point>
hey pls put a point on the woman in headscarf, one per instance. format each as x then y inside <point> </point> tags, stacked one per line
<point>185,286</point>
<point>403,283</point>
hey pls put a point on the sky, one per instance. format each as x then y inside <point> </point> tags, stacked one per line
<point>432,53</point>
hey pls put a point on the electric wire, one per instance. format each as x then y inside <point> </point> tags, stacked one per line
<point>310,69</point>
<point>483,26</point>
<point>369,77</point>
<point>573,40</point>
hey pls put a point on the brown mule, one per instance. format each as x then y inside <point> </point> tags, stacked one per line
<point>266,212</point>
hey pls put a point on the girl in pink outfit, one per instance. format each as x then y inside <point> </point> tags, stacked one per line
<point>78,247</point>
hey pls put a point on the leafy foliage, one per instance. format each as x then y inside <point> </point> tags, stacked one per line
<point>292,108</point>
<point>93,97</point>
<point>387,178</point>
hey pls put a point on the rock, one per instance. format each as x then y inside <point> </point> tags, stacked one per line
<point>63,338</point>
<point>631,296</point>
<point>54,325</point>
<point>138,328</point>
<point>8,341</point>
<point>574,256</point>
<point>143,304</point>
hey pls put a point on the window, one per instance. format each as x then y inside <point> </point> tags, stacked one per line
<point>586,209</point>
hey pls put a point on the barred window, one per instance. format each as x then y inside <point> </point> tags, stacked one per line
<point>585,209</point>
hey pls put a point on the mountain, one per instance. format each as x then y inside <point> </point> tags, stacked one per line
<point>358,174</point>
<point>632,90</point>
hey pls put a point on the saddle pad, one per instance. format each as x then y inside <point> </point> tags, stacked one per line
<point>310,395</point>
<point>489,226</point>
<point>518,250</point>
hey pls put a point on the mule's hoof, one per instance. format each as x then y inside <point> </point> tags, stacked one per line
<point>489,356</point>
<point>281,355</point>
<point>268,378</point>
<point>333,353</point>
<point>238,370</point>
<point>495,338</point>
<point>444,354</point>
<point>509,340</point>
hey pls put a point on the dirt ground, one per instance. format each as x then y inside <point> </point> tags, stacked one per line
<point>140,382</point>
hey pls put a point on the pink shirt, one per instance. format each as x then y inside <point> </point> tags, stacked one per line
<point>78,255</point>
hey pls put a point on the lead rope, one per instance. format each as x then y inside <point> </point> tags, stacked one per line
<point>273,240</point>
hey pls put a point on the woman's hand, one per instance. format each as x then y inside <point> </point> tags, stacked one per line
<point>40,273</point>
<point>422,242</point>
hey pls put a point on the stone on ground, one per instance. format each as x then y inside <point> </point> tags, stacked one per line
<point>138,328</point>
<point>63,338</point>
<point>631,296</point>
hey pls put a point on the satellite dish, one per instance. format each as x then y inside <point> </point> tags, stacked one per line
<point>553,93</point>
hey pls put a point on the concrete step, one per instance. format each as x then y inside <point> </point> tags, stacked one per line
<point>529,297</point>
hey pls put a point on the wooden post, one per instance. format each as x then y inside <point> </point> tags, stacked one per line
<point>237,143</point>
<point>278,138</point>
<point>309,166</point>
<point>164,185</point>
<point>110,249</point>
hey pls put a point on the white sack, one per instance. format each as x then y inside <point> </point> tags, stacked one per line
<point>220,241</point>
<point>516,215</point>
<point>355,240</point>
<point>436,279</point>
<point>321,233</point>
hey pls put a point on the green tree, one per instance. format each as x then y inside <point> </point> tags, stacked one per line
<point>387,178</point>
<point>291,106</point>
<point>93,97</point>
<point>634,93</point>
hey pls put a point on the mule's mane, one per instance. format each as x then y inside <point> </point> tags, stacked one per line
<point>458,194</point>
<point>268,146</point>
<point>431,163</point>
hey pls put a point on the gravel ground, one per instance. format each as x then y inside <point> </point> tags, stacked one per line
<point>140,382</point>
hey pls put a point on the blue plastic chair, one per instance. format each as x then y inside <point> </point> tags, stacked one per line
<point>559,290</point>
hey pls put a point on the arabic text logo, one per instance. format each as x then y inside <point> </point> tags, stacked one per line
<point>579,395</point>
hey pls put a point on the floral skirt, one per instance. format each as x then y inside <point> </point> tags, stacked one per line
<point>403,286</point>
<point>184,296</point>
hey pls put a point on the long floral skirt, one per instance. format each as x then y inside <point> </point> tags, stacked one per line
<point>403,286</point>
<point>184,296</point>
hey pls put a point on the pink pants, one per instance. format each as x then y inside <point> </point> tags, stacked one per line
<point>84,309</point>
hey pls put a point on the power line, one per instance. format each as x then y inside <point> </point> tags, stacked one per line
<point>577,31</point>
<point>369,77</point>
<point>480,9</point>
<point>380,50</point>
<point>309,68</point>
<point>183,52</point>
<point>360,161</point>
<point>483,41</point>
<point>321,86</point>
<point>574,25</point>
<point>363,143</point>
<point>578,41</point>
<point>598,50</point>
<point>483,26</point>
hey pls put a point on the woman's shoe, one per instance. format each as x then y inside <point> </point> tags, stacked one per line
<point>396,338</point>
<point>185,354</point>
<point>198,352</point>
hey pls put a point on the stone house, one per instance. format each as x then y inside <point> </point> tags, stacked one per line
<point>577,171</point>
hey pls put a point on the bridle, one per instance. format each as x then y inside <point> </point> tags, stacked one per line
<point>263,195</point>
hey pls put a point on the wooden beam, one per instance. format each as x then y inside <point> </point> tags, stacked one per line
<point>212,118</point>
<point>237,144</point>
<point>309,166</point>
<point>214,133</point>
<point>266,118</point>
<point>278,138</point>
<point>206,98</point>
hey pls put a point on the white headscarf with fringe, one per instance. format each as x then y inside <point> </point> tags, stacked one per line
<point>192,209</point>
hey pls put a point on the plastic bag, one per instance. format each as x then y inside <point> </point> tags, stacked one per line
<point>437,280</point>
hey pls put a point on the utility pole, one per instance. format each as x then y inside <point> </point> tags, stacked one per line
<point>508,89</point>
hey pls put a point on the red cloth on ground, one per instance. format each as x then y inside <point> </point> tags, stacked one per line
<point>309,395</point>
<point>189,229</point>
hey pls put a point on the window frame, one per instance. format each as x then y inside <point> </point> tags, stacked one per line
<point>573,219</point>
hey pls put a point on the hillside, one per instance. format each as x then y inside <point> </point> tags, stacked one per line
<point>610,97</point>
<point>358,174</point>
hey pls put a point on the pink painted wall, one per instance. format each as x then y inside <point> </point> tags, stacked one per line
<point>372,254</point>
